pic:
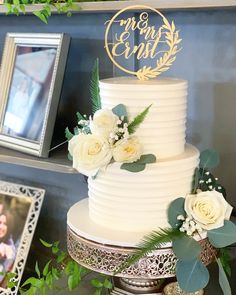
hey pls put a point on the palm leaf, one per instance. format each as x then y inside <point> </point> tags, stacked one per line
<point>138,120</point>
<point>149,243</point>
<point>94,88</point>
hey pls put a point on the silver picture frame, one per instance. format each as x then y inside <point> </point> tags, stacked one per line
<point>31,77</point>
<point>20,206</point>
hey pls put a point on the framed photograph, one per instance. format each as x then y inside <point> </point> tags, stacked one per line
<point>19,211</point>
<point>31,77</point>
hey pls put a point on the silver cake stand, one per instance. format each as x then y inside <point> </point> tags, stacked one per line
<point>104,250</point>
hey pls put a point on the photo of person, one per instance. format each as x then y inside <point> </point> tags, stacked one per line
<point>13,216</point>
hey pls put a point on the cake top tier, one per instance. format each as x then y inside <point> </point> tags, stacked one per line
<point>163,131</point>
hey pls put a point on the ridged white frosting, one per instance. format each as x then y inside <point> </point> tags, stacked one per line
<point>128,201</point>
<point>163,130</point>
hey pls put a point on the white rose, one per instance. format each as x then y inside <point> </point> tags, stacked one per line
<point>209,209</point>
<point>127,150</point>
<point>104,121</point>
<point>90,152</point>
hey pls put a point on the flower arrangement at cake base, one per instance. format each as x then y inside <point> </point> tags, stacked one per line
<point>203,213</point>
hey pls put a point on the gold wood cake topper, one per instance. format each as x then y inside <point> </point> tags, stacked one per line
<point>158,44</point>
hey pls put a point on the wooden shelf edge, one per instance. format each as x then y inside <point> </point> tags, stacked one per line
<point>55,163</point>
<point>161,4</point>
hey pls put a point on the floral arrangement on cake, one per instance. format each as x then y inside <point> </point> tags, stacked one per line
<point>106,137</point>
<point>204,212</point>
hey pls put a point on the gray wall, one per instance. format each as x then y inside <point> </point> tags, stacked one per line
<point>207,60</point>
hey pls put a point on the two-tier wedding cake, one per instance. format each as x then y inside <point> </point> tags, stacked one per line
<point>126,201</point>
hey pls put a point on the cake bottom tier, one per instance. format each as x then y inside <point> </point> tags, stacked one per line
<point>122,200</point>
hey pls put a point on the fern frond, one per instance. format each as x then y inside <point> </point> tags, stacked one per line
<point>138,120</point>
<point>151,242</point>
<point>94,88</point>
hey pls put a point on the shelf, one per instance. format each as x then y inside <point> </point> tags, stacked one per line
<point>57,162</point>
<point>160,4</point>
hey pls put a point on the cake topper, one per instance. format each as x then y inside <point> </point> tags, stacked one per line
<point>157,43</point>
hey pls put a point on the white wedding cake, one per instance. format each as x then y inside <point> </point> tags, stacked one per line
<point>138,202</point>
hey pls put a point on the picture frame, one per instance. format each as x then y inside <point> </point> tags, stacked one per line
<point>31,77</point>
<point>20,206</point>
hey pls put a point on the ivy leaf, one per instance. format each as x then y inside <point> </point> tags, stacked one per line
<point>209,159</point>
<point>68,134</point>
<point>107,284</point>
<point>94,88</point>
<point>191,275</point>
<point>73,281</point>
<point>120,110</point>
<point>96,283</point>
<point>146,159</point>
<point>223,280</point>
<point>45,270</point>
<point>41,16</point>
<point>186,248</point>
<point>46,244</point>
<point>133,167</point>
<point>37,269</point>
<point>175,208</point>
<point>137,121</point>
<point>223,236</point>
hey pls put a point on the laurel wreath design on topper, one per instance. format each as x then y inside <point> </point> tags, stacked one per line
<point>167,35</point>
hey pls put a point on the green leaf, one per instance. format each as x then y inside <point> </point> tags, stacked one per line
<point>146,159</point>
<point>49,280</point>
<point>41,16</point>
<point>186,248</point>
<point>61,257</point>
<point>97,292</point>
<point>120,110</point>
<point>38,283</point>
<point>175,208</point>
<point>96,283</point>
<point>137,121</point>
<point>79,116</point>
<point>191,275</point>
<point>68,134</point>
<point>107,284</point>
<point>209,159</point>
<point>37,269</point>
<point>133,167</point>
<point>223,236</point>
<point>94,88</point>
<point>45,270</point>
<point>31,291</point>
<point>73,281</point>
<point>46,244</point>
<point>153,241</point>
<point>225,260</point>
<point>223,280</point>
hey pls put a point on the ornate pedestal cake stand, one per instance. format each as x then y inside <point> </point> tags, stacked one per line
<point>104,250</point>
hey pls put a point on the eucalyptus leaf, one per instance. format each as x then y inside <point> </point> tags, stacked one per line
<point>223,280</point>
<point>209,159</point>
<point>120,110</point>
<point>191,275</point>
<point>133,167</point>
<point>223,236</point>
<point>146,159</point>
<point>68,134</point>
<point>175,208</point>
<point>186,248</point>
